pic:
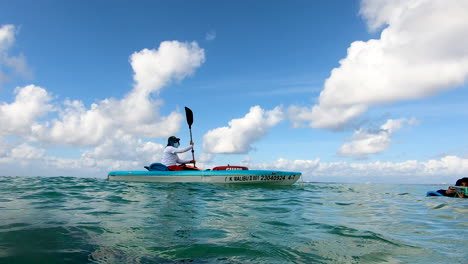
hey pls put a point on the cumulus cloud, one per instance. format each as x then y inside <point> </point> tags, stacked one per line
<point>120,152</point>
<point>122,147</point>
<point>368,141</point>
<point>7,37</point>
<point>24,159</point>
<point>423,50</point>
<point>4,147</point>
<point>286,165</point>
<point>137,113</point>
<point>242,132</point>
<point>19,152</point>
<point>205,158</point>
<point>10,64</point>
<point>27,160</point>
<point>173,60</point>
<point>25,151</point>
<point>17,118</point>
<point>113,127</point>
<point>444,170</point>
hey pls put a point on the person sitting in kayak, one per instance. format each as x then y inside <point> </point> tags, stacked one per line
<point>452,192</point>
<point>170,158</point>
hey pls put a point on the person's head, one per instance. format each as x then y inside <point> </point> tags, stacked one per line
<point>462,182</point>
<point>173,141</point>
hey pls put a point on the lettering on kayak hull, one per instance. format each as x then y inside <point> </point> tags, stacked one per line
<point>255,178</point>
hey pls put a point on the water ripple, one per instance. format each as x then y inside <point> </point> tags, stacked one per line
<point>83,220</point>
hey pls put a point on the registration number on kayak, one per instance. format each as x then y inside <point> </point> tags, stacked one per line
<point>258,178</point>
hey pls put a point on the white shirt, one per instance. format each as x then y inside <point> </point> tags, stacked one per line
<point>170,157</point>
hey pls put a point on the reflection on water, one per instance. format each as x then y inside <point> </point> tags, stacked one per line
<point>76,220</point>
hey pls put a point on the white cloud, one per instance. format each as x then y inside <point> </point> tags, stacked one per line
<point>113,127</point>
<point>137,113</point>
<point>17,151</point>
<point>124,147</point>
<point>242,132</point>
<point>120,153</point>
<point>444,170</point>
<point>26,160</point>
<point>4,148</point>
<point>11,64</point>
<point>286,165</point>
<point>422,51</point>
<point>19,65</point>
<point>77,125</point>
<point>25,151</point>
<point>31,102</point>
<point>173,60</point>
<point>205,157</point>
<point>368,141</point>
<point>7,37</point>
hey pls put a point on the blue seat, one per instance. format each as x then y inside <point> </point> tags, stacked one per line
<point>157,167</point>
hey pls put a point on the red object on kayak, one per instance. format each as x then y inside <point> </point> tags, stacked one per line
<point>174,168</point>
<point>186,167</point>
<point>230,168</point>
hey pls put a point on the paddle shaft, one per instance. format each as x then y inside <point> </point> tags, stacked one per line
<point>189,116</point>
<point>193,151</point>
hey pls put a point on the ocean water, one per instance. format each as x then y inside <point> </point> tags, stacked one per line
<point>82,220</point>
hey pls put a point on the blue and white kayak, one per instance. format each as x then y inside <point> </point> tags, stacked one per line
<point>234,176</point>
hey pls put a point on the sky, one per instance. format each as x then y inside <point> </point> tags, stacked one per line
<point>342,91</point>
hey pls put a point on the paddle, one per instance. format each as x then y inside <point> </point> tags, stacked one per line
<point>189,116</point>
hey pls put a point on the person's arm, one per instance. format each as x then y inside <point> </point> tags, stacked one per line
<point>451,192</point>
<point>443,192</point>
<point>182,150</point>
<point>179,161</point>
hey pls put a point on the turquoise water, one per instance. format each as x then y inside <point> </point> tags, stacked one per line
<point>80,220</point>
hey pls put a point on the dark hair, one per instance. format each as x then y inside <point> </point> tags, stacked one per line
<point>460,181</point>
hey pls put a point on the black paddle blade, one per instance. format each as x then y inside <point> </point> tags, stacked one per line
<point>189,115</point>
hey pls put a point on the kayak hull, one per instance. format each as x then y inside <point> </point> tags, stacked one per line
<point>213,177</point>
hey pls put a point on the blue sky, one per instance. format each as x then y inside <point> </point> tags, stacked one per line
<point>353,91</point>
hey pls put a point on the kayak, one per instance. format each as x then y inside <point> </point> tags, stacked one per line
<point>158,172</point>
<point>218,175</point>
